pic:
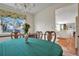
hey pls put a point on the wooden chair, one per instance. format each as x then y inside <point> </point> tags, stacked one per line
<point>50,35</point>
<point>32,35</point>
<point>39,34</point>
<point>16,35</point>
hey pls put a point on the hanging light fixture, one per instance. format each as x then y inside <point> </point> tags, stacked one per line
<point>25,6</point>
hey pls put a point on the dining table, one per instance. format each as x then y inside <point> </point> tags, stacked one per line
<point>30,47</point>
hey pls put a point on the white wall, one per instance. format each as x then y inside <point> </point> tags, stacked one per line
<point>67,14</point>
<point>45,20</point>
<point>30,20</point>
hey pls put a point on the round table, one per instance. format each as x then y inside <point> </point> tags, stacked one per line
<point>35,47</point>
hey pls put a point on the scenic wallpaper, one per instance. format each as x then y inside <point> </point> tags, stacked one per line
<point>9,24</point>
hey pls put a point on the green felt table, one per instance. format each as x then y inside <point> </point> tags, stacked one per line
<point>35,47</point>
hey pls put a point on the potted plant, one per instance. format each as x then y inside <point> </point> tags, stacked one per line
<point>26,28</point>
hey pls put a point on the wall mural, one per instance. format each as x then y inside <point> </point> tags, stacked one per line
<point>11,21</point>
<point>10,24</point>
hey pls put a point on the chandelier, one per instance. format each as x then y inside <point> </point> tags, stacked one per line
<point>25,6</point>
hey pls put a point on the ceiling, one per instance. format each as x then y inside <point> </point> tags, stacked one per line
<point>32,8</point>
<point>67,14</point>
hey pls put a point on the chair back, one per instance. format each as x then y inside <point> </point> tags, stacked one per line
<point>50,35</point>
<point>15,35</point>
<point>32,35</point>
<point>39,34</point>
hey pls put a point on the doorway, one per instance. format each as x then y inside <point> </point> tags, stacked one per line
<point>66,28</point>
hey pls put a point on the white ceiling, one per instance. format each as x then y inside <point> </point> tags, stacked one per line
<point>34,9</point>
<point>67,14</point>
